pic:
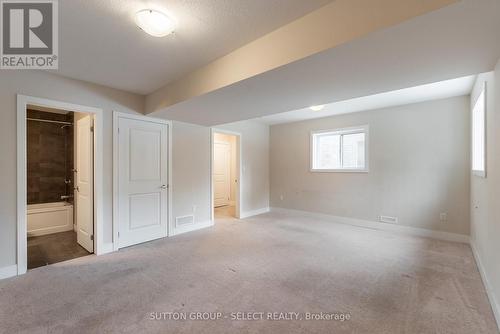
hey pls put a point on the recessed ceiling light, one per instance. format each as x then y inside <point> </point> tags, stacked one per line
<point>317,108</point>
<point>155,23</point>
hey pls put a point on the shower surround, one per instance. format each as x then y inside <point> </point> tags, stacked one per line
<point>50,157</point>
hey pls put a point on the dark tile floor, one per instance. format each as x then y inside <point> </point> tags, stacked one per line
<point>53,248</point>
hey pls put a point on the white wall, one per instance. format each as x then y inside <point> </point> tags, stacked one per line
<point>46,85</point>
<point>254,164</point>
<point>419,167</point>
<point>485,193</point>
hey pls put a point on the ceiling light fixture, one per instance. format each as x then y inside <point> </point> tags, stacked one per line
<point>317,108</point>
<point>155,23</point>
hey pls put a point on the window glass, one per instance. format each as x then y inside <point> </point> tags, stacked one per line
<point>478,135</point>
<point>343,149</point>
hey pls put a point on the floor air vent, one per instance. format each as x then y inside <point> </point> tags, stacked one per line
<point>389,219</point>
<point>184,220</point>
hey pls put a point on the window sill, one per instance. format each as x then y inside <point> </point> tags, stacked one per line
<point>479,173</point>
<point>339,170</point>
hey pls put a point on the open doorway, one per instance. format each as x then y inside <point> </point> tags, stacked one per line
<point>225,174</point>
<point>59,184</point>
<point>60,192</point>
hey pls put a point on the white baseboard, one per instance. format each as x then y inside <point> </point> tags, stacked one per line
<point>421,232</point>
<point>495,306</point>
<point>247,214</point>
<point>8,271</point>
<point>192,227</point>
<point>105,248</point>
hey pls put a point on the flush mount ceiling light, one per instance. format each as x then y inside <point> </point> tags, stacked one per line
<point>154,22</point>
<point>317,108</point>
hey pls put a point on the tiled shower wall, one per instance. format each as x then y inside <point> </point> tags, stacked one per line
<point>50,157</point>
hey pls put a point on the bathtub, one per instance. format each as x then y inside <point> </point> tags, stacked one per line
<point>47,218</point>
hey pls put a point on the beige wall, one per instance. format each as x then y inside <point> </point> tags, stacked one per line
<point>191,171</point>
<point>419,167</point>
<point>191,168</point>
<point>190,152</point>
<point>485,192</point>
<point>46,85</point>
<point>254,164</point>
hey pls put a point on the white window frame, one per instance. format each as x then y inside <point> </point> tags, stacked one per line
<point>480,173</point>
<point>343,131</point>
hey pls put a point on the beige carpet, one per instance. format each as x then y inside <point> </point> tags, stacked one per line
<point>383,282</point>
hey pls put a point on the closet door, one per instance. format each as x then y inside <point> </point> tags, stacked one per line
<point>142,181</point>
<point>221,173</point>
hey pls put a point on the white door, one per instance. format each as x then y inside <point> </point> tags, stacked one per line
<point>142,181</point>
<point>221,173</point>
<point>84,181</point>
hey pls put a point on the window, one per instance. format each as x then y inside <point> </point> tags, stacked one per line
<point>479,135</point>
<point>342,150</point>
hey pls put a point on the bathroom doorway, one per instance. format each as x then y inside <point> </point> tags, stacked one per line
<point>59,213</point>
<point>60,185</point>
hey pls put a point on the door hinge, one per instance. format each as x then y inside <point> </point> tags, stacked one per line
<point>92,128</point>
<point>92,237</point>
<point>118,234</point>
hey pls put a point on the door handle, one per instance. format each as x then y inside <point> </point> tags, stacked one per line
<point>164,186</point>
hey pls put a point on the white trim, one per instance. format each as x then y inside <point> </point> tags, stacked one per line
<point>401,229</point>
<point>480,173</point>
<point>495,305</point>
<point>252,213</point>
<point>344,170</point>
<point>239,152</point>
<point>343,131</point>
<point>99,181</point>
<point>107,247</point>
<point>192,227</point>
<point>170,180</point>
<point>115,181</point>
<point>116,116</point>
<point>22,175</point>
<point>23,101</point>
<point>9,271</point>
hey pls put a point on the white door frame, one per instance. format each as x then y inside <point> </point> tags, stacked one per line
<point>116,116</point>
<point>238,170</point>
<point>22,207</point>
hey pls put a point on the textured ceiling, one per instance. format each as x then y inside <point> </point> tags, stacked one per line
<point>100,43</point>
<point>434,91</point>
<point>455,41</point>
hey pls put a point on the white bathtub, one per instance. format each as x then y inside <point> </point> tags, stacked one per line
<point>47,218</point>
